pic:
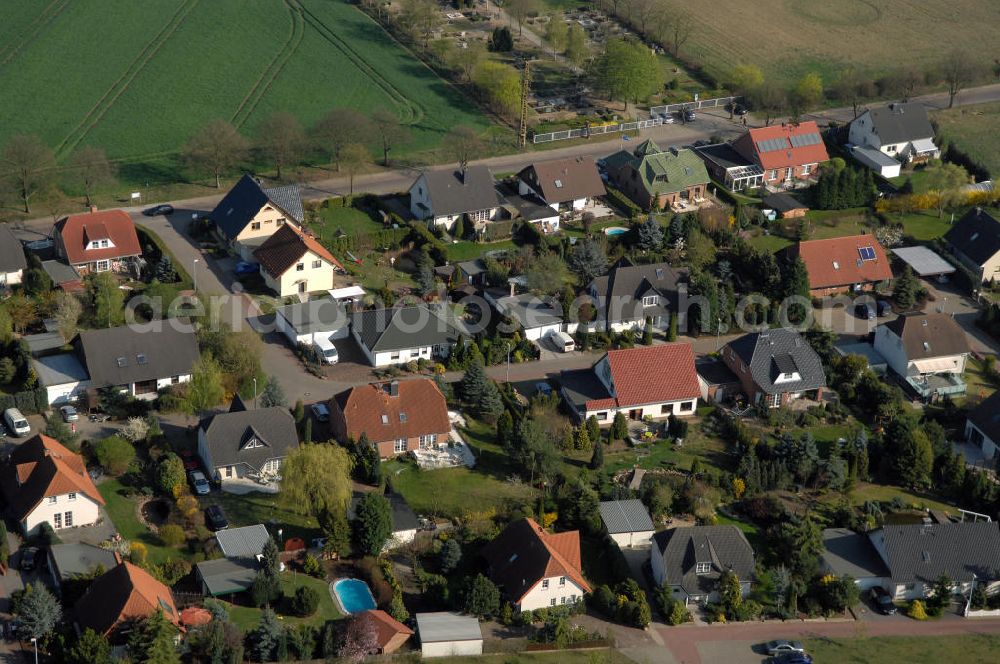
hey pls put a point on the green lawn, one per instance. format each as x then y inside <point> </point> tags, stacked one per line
<point>266,508</point>
<point>973,130</point>
<point>456,491</point>
<point>337,218</point>
<point>769,243</point>
<point>923,225</point>
<point>247,617</point>
<point>598,656</point>
<point>305,57</point>
<point>465,250</point>
<point>122,511</point>
<point>864,492</point>
<point>904,650</point>
<point>826,224</point>
<point>711,452</point>
<point>918,178</point>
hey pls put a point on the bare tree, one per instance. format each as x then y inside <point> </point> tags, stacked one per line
<point>390,131</point>
<point>851,87</point>
<point>673,28</point>
<point>957,70</point>
<point>519,10</point>
<point>280,139</point>
<point>419,17</point>
<point>467,59</point>
<point>355,158</point>
<point>642,12</point>
<point>463,143</point>
<point>770,98</point>
<point>28,164</point>
<point>337,129</point>
<point>217,148</point>
<point>91,170</point>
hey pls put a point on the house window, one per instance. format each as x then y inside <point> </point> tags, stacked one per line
<point>891,148</point>
<point>562,580</point>
<point>774,400</point>
<point>909,586</point>
<point>57,521</point>
<point>545,584</point>
<point>394,355</point>
<point>255,226</point>
<point>552,602</point>
<point>649,301</point>
<point>771,175</point>
<point>385,418</point>
<point>703,568</point>
<point>807,169</point>
<point>53,500</point>
<point>665,409</point>
<point>72,497</point>
<point>281,222</point>
<point>102,266</point>
<point>68,518</point>
<point>229,471</point>
<point>562,600</point>
<point>104,244</point>
<point>317,264</point>
<point>399,446</point>
<point>300,266</point>
<point>687,406</point>
<point>174,380</point>
<point>602,416</point>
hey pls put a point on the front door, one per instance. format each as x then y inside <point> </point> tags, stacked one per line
<point>635,414</point>
<point>788,174</point>
<point>302,287</point>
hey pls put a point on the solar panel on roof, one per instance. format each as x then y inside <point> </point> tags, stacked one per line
<point>772,144</point>
<point>867,253</point>
<point>802,140</point>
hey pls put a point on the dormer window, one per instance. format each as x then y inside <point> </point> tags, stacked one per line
<point>649,301</point>
<point>703,568</point>
<point>253,443</point>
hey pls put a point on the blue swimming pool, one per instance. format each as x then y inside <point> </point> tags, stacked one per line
<point>615,230</point>
<point>353,595</point>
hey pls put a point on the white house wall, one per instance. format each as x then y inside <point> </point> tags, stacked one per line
<point>632,539</point>
<point>66,392</point>
<point>317,279</point>
<point>539,597</point>
<point>452,648</point>
<point>11,278</point>
<point>889,346</point>
<point>651,410</point>
<point>989,446</point>
<point>85,512</point>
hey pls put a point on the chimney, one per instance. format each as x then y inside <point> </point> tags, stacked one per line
<point>118,558</point>
<point>394,388</point>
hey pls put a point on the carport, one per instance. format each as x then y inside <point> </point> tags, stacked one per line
<point>846,552</point>
<point>923,261</point>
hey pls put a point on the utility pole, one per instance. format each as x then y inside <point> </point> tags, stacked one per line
<point>508,362</point>
<point>522,127</point>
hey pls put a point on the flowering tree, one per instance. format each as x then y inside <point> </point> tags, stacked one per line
<point>358,639</point>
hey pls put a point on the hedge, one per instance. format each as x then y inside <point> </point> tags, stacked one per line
<point>623,203</point>
<point>733,197</point>
<point>29,402</point>
<point>421,236</point>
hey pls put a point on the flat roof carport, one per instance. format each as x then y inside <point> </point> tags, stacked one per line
<point>923,261</point>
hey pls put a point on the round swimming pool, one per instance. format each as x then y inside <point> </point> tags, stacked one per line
<point>615,230</point>
<point>353,595</point>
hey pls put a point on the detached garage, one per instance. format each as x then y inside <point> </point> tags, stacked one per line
<point>446,634</point>
<point>628,522</point>
<point>303,323</point>
<point>63,376</point>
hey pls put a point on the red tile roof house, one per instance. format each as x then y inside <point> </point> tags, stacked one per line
<point>843,264</point>
<point>398,417</point>
<point>98,242</point>
<point>788,153</point>
<point>536,569</point>
<point>119,598</point>
<point>654,381</point>
<point>293,261</point>
<point>45,482</point>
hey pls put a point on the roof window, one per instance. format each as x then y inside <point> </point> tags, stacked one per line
<point>559,184</point>
<point>402,417</point>
<point>385,418</point>
<point>140,359</point>
<point>122,362</point>
<point>836,265</point>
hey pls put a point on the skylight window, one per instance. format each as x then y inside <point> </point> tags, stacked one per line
<point>973,238</point>
<point>402,417</point>
<point>385,418</point>
<point>122,362</point>
<point>559,184</point>
<point>836,265</point>
<point>867,253</point>
<point>140,359</point>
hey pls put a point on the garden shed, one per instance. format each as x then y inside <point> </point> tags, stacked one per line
<point>445,634</point>
<point>628,522</point>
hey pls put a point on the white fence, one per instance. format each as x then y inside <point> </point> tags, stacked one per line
<point>691,105</point>
<point>657,113</point>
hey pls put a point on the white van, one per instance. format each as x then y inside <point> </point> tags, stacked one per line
<point>16,422</point>
<point>326,350</point>
<point>563,342</point>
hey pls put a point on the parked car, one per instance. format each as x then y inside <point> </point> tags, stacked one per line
<point>882,600</point>
<point>689,116</point>
<point>321,412</point>
<point>17,423</point>
<point>884,307</point>
<point>157,210</point>
<point>667,118</point>
<point>739,109</point>
<point>29,557</point>
<point>199,482</point>
<point>864,311</point>
<point>245,268</point>
<point>543,389</point>
<point>216,518</point>
<point>792,658</point>
<point>69,414</point>
<point>189,459</point>
<point>781,646</point>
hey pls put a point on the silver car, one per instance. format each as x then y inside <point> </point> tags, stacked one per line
<point>779,646</point>
<point>199,482</point>
<point>69,414</point>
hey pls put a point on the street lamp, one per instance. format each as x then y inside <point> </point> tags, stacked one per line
<point>508,362</point>
<point>255,393</point>
<point>718,331</point>
<point>194,272</point>
<point>34,642</point>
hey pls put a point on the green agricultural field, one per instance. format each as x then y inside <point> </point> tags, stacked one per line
<point>899,649</point>
<point>973,130</point>
<point>138,78</point>
<point>787,38</point>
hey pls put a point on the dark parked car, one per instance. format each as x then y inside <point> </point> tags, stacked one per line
<point>245,268</point>
<point>543,389</point>
<point>29,556</point>
<point>864,311</point>
<point>216,518</point>
<point>739,109</point>
<point>882,601</point>
<point>792,658</point>
<point>884,308</point>
<point>157,210</point>
<point>689,116</point>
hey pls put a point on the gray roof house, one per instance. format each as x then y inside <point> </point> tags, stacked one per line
<point>304,322</point>
<point>244,446</point>
<point>692,560</point>
<point>243,542</point>
<point>239,207</point>
<point>900,130</point>
<point>12,260</point>
<point>775,366</point>
<point>226,576</point>
<point>405,521</point>
<point>975,242</point>
<point>67,561</point>
<point>917,555</point>
<point>442,196</point>
<point>401,334</point>
<point>138,360</point>
<point>982,428</point>
<point>847,553</point>
<point>627,522</point>
<point>63,376</point>
<point>630,293</point>
<point>446,634</point>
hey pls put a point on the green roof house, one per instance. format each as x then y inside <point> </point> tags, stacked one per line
<point>655,178</point>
